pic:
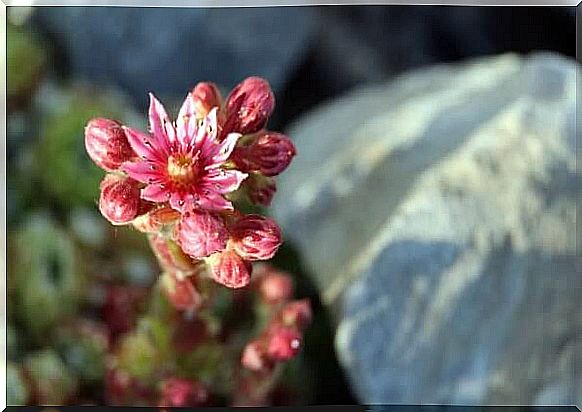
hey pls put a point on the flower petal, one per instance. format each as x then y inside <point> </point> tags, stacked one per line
<point>181,201</point>
<point>160,124</point>
<point>223,181</point>
<point>154,193</point>
<point>144,145</point>
<point>225,148</point>
<point>215,202</point>
<point>186,123</point>
<point>143,171</point>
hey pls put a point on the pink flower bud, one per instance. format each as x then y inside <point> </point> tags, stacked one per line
<point>229,269</point>
<point>297,313</point>
<point>201,233</point>
<point>178,392</point>
<point>259,189</point>
<point>180,292</point>
<point>284,344</point>
<point>256,237</point>
<point>120,200</point>
<point>169,255</point>
<point>107,144</point>
<point>254,357</point>
<point>206,96</point>
<point>154,220</point>
<point>269,154</point>
<point>276,287</point>
<point>249,106</point>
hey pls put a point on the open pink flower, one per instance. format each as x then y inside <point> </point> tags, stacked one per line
<point>183,162</point>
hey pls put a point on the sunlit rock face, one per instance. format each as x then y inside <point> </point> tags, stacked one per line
<point>436,214</point>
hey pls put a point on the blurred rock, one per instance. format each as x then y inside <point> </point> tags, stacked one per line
<point>437,216</point>
<point>169,50</point>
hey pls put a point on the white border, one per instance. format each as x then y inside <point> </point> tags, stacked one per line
<point>275,3</point>
<point>167,3</point>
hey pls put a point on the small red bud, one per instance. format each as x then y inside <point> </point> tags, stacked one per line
<point>284,344</point>
<point>180,292</point>
<point>276,287</point>
<point>120,200</point>
<point>206,96</point>
<point>107,144</point>
<point>229,269</point>
<point>249,106</point>
<point>254,357</point>
<point>297,313</point>
<point>269,154</point>
<point>201,234</point>
<point>256,237</point>
<point>178,392</point>
<point>169,254</point>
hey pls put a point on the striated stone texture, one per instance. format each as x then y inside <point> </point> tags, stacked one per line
<point>437,216</point>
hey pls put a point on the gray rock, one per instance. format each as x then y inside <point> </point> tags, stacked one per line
<point>437,216</point>
<point>168,50</point>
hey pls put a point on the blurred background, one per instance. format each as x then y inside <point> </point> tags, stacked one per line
<point>429,214</point>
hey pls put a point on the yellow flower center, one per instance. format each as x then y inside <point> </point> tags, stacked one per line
<point>182,169</point>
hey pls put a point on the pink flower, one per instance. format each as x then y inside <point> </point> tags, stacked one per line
<point>284,343</point>
<point>200,233</point>
<point>256,237</point>
<point>249,106</point>
<point>119,202</point>
<point>183,163</point>
<point>269,153</point>
<point>228,269</point>
<point>106,144</point>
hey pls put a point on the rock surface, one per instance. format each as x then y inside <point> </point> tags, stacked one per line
<point>437,216</point>
<point>167,50</point>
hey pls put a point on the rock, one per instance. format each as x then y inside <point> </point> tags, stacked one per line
<point>436,215</point>
<point>168,50</point>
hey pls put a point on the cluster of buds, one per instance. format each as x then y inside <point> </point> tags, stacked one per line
<point>177,183</point>
<point>282,336</point>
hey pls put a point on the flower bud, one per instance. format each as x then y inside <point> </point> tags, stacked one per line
<point>206,96</point>
<point>284,344</point>
<point>297,313</point>
<point>254,357</point>
<point>169,255</point>
<point>153,221</point>
<point>229,269</point>
<point>269,154</point>
<point>276,287</point>
<point>201,234</point>
<point>259,189</point>
<point>249,106</point>
<point>180,292</point>
<point>178,392</point>
<point>107,144</point>
<point>256,237</point>
<point>120,200</point>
